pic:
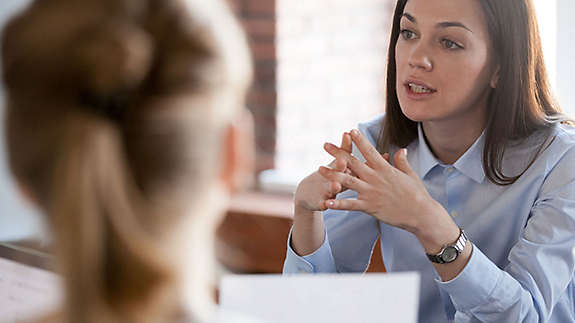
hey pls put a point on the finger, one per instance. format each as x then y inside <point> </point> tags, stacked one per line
<point>350,205</point>
<point>345,180</point>
<point>346,143</point>
<point>340,164</point>
<point>335,188</point>
<point>372,156</point>
<point>355,165</point>
<point>400,161</point>
<point>386,157</point>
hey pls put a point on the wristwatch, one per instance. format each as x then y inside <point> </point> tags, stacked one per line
<point>450,252</point>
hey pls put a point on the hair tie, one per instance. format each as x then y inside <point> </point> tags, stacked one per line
<point>112,107</point>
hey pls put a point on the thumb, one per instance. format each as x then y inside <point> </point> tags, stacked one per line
<point>401,163</point>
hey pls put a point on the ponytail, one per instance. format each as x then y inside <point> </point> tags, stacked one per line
<point>112,272</point>
<point>114,113</point>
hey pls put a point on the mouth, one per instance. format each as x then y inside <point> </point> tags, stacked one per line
<point>418,89</point>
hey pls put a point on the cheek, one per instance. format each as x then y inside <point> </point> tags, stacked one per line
<point>400,58</point>
<point>463,79</point>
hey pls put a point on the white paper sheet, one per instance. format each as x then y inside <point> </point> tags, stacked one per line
<point>339,298</point>
<point>26,292</point>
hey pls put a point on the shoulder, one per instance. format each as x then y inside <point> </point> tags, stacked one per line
<point>554,164</point>
<point>561,149</point>
<point>372,128</point>
<point>559,144</point>
<point>564,134</point>
<point>553,143</point>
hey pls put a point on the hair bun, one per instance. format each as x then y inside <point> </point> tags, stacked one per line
<point>112,59</point>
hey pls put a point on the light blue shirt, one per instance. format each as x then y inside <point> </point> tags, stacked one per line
<point>523,235</point>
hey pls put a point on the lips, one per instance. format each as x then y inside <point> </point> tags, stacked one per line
<point>419,86</point>
<point>418,90</point>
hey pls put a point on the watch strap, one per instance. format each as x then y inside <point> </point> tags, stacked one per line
<point>459,245</point>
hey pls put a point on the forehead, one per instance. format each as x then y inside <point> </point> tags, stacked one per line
<point>430,12</point>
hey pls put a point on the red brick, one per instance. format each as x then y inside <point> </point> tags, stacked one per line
<point>263,50</point>
<point>263,98</point>
<point>261,7</point>
<point>260,27</point>
<point>236,5</point>
<point>264,160</point>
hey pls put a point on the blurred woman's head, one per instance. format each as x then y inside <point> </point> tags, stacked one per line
<point>124,126</point>
<point>475,62</point>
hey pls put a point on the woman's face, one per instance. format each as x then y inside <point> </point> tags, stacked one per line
<point>443,60</point>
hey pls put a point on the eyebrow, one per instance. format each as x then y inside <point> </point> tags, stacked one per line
<point>445,24</point>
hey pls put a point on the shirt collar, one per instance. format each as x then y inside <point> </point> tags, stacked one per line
<point>470,164</point>
<point>426,159</point>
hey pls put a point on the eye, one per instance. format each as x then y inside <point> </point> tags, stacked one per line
<point>449,44</point>
<point>407,34</point>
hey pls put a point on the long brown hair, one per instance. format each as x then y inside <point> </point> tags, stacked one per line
<point>520,105</point>
<point>115,114</point>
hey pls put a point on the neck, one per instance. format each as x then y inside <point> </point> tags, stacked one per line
<point>450,139</point>
<point>449,144</point>
<point>198,265</point>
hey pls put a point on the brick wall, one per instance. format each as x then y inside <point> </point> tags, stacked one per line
<point>259,20</point>
<point>319,70</point>
<point>331,71</point>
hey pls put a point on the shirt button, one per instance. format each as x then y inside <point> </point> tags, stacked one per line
<point>450,170</point>
<point>454,214</point>
<point>302,270</point>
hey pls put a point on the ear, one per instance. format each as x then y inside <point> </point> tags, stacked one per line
<point>495,77</point>
<point>238,153</point>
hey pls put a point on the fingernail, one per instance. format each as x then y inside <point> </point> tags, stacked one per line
<point>330,203</point>
<point>354,132</point>
<point>404,152</point>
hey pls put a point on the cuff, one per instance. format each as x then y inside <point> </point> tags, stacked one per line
<point>474,284</point>
<point>320,260</point>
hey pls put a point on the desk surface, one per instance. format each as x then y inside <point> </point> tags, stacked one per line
<point>26,253</point>
<point>27,289</point>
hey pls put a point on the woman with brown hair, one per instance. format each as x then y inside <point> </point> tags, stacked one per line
<point>479,197</point>
<point>126,126</point>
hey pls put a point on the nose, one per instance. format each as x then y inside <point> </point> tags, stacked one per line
<point>420,58</point>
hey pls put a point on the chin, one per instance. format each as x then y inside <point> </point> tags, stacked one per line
<point>415,114</point>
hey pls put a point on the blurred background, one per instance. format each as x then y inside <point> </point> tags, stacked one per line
<point>319,71</point>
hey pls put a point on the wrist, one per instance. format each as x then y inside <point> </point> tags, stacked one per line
<point>303,212</point>
<point>436,229</point>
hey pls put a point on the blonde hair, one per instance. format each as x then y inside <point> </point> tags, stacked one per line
<point>115,111</point>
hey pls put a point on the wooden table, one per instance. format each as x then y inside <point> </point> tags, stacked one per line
<point>253,236</point>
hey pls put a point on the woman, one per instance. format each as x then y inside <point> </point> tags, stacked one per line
<point>126,127</point>
<point>480,199</point>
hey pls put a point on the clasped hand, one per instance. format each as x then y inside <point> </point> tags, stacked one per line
<point>393,195</point>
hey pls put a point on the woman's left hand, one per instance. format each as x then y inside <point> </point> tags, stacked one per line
<point>393,195</point>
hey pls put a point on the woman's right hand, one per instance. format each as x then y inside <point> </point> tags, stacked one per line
<point>314,190</point>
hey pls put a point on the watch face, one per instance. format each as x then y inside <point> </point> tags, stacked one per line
<point>449,254</point>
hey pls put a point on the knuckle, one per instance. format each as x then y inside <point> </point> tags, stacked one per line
<point>349,180</point>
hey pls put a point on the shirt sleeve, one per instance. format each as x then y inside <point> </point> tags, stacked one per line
<point>350,235</point>
<point>541,264</point>
<point>320,260</point>
<point>348,244</point>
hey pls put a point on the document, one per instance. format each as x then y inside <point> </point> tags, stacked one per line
<point>315,298</point>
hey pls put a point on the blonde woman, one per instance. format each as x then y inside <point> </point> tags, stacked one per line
<point>126,127</point>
